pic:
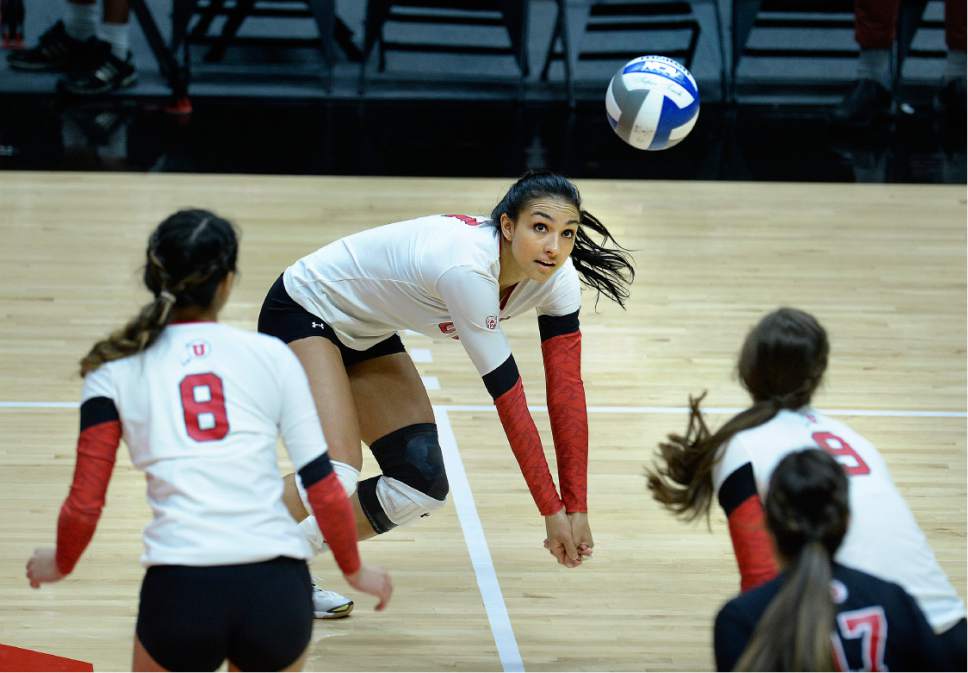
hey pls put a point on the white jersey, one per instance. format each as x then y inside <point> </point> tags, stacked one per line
<point>437,275</point>
<point>200,411</point>
<point>883,537</point>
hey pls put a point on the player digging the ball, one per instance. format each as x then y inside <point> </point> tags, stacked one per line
<point>460,276</point>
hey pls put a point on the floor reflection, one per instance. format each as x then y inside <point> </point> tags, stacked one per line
<point>468,139</point>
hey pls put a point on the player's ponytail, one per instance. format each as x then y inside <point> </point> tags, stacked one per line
<point>608,270</point>
<point>781,365</point>
<point>188,255</point>
<point>807,513</point>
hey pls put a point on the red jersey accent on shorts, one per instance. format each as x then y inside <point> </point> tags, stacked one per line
<point>97,447</point>
<point>751,544</point>
<point>512,408</point>
<point>334,516</point>
<point>569,416</point>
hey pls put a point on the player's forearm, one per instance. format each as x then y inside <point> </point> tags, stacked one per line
<point>752,546</point>
<point>333,512</point>
<point>569,416</point>
<point>97,448</point>
<point>504,384</point>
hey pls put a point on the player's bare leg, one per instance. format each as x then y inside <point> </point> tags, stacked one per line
<point>330,386</point>
<point>331,391</point>
<point>333,397</point>
<point>389,395</point>
<point>385,394</point>
<point>397,423</point>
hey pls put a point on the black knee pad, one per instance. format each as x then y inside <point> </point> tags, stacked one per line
<point>412,455</point>
<point>413,482</point>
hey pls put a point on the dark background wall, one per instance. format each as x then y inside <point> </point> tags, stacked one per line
<point>267,109</point>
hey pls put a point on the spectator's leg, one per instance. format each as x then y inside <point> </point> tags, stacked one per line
<point>114,28</point>
<point>951,97</point>
<point>61,46</point>
<point>875,24</point>
<point>954,33</point>
<point>80,19</point>
<point>109,65</point>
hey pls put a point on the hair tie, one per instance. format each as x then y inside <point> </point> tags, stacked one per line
<point>168,300</point>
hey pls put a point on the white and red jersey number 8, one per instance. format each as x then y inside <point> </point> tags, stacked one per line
<point>203,404</point>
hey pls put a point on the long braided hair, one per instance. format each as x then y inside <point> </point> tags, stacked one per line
<point>782,363</point>
<point>608,270</point>
<point>188,255</point>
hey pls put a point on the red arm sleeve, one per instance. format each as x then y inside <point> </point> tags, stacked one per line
<point>97,447</point>
<point>504,384</point>
<point>569,416</point>
<point>333,512</point>
<point>512,408</point>
<point>747,528</point>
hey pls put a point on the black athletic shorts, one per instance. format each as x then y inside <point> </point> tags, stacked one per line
<point>283,318</point>
<point>953,642</point>
<point>257,615</point>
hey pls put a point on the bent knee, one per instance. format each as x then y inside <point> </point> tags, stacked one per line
<point>414,480</point>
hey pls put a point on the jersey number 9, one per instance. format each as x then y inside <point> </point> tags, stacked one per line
<point>843,452</point>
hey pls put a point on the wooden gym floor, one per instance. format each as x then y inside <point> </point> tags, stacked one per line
<point>882,267</point>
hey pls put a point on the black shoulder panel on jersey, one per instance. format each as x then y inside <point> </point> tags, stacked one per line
<point>97,410</point>
<point>502,379</point>
<point>555,325</point>
<point>737,488</point>
<point>315,470</point>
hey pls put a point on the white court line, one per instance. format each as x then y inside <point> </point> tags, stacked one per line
<point>420,354</point>
<point>470,522</point>
<point>430,382</point>
<point>480,554</point>
<point>724,410</point>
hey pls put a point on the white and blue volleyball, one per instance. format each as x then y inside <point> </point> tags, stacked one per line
<point>652,102</point>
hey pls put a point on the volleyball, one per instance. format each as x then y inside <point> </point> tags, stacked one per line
<point>652,102</point>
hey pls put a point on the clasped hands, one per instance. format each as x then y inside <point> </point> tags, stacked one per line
<point>569,537</point>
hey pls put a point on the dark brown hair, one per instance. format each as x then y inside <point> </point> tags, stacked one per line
<point>781,364</point>
<point>188,255</point>
<point>608,270</point>
<point>807,512</point>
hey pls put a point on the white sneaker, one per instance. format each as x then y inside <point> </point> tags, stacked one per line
<point>329,604</point>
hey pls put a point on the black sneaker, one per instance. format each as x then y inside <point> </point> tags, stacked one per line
<point>104,72</point>
<point>55,51</point>
<point>867,102</point>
